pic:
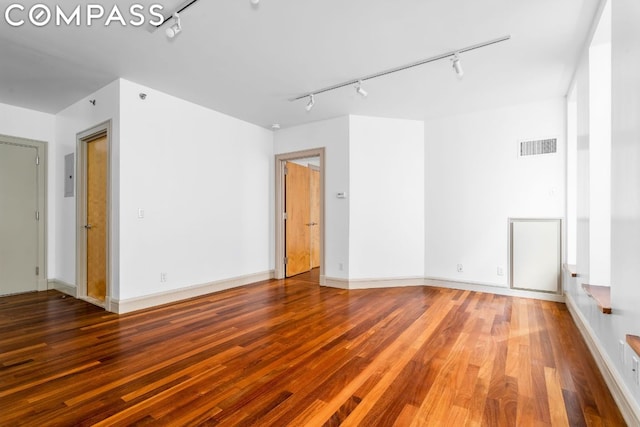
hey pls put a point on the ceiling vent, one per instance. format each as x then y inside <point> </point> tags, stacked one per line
<point>540,146</point>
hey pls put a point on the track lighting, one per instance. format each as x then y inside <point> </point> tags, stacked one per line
<point>457,66</point>
<point>360,90</point>
<point>175,28</point>
<point>311,102</point>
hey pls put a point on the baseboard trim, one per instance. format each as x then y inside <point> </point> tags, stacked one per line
<point>385,282</point>
<point>619,390</point>
<point>148,301</point>
<point>334,282</point>
<point>62,286</point>
<point>492,289</point>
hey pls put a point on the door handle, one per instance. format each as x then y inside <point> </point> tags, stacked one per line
<point>88,226</point>
<point>311,223</point>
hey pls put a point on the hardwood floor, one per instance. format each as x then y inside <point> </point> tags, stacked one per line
<point>290,352</point>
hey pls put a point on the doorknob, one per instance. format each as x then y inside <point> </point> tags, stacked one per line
<point>88,226</point>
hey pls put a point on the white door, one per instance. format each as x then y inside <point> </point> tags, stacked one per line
<point>18,221</point>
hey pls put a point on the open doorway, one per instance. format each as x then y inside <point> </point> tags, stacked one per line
<point>300,213</point>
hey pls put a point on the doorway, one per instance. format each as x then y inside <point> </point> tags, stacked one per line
<point>299,213</point>
<point>22,215</point>
<point>92,216</point>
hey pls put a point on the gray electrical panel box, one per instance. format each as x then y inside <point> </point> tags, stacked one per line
<point>68,175</point>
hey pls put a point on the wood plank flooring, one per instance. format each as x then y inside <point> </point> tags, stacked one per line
<point>281,353</point>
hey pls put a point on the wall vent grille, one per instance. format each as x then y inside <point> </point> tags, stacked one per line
<point>540,146</point>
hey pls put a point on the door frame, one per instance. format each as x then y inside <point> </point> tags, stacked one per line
<point>41,150</point>
<point>281,160</point>
<point>82,139</point>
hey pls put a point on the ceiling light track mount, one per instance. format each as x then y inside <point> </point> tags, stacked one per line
<point>176,11</point>
<point>454,54</point>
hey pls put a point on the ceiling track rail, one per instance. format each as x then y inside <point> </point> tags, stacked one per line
<point>166,17</point>
<point>402,67</point>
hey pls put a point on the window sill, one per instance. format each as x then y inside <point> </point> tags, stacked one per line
<point>634,343</point>
<point>571,269</point>
<point>601,294</point>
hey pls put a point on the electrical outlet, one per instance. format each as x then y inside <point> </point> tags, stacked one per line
<point>340,266</point>
<point>163,277</point>
<point>621,352</point>
<point>459,268</point>
<point>500,271</point>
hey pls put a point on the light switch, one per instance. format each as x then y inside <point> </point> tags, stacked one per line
<point>140,213</point>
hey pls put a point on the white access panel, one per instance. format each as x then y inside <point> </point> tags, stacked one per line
<point>536,254</point>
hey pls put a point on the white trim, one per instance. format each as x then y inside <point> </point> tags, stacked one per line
<point>139,303</point>
<point>334,282</point>
<point>618,388</point>
<point>492,289</point>
<point>385,282</point>
<point>64,287</point>
<point>397,282</point>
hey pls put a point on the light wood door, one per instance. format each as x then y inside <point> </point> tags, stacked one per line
<point>18,220</point>
<point>297,230</point>
<point>96,226</point>
<point>314,214</point>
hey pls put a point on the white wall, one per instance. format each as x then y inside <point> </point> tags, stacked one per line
<point>583,257</point>
<point>386,206</point>
<point>334,136</point>
<point>475,181</point>
<point>608,330</point>
<point>205,183</point>
<point>600,163</point>
<point>74,119</point>
<point>572,176</point>
<point>25,123</point>
<point>625,167</point>
<point>30,124</point>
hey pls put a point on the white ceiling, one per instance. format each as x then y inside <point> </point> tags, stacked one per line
<point>247,62</point>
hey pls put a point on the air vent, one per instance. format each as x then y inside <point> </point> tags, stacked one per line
<point>541,146</point>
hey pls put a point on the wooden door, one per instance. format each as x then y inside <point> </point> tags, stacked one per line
<point>297,234</point>
<point>314,208</point>
<point>18,219</point>
<point>96,226</point>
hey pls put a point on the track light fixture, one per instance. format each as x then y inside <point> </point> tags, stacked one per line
<point>175,28</point>
<point>360,90</point>
<point>457,66</point>
<point>311,103</point>
<point>453,55</point>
